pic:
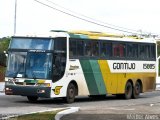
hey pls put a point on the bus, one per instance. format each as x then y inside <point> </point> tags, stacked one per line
<point>80,63</point>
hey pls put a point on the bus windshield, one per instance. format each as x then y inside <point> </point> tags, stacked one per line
<point>16,64</point>
<point>30,65</point>
<point>32,43</point>
<point>39,65</point>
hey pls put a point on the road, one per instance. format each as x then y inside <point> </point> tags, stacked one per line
<point>148,103</point>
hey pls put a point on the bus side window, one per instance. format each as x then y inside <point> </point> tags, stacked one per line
<point>94,48</point>
<point>59,64</point>
<point>147,51</point>
<point>132,51</point>
<point>88,51</point>
<point>142,51</point>
<point>80,49</point>
<point>72,48</point>
<point>105,49</point>
<point>59,58</point>
<point>153,52</point>
<point>119,50</point>
<point>135,50</point>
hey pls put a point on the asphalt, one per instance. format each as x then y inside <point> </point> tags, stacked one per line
<point>103,114</point>
<point>133,112</point>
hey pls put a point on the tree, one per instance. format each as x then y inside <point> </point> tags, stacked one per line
<point>4,43</point>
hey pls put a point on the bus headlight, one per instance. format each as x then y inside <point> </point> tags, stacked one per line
<point>9,82</point>
<point>41,91</point>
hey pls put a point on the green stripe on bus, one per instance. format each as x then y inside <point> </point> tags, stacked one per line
<point>88,74</point>
<point>93,77</point>
<point>98,76</point>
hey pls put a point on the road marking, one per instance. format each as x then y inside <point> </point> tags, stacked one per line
<point>121,108</point>
<point>65,112</point>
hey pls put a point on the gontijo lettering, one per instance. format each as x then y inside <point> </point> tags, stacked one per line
<point>124,66</point>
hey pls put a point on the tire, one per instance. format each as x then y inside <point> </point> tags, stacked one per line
<point>71,92</point>
<point>32,98</point>
<point>136,90</point>
<point>128,91</point>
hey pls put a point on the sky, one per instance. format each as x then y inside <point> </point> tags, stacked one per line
<point>35,18</point>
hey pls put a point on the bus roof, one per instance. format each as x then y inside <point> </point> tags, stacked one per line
<point>108,36</point>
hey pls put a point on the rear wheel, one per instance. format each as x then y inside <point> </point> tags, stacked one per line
<point>71,92</point>
<point>32,98</point>
<point>128,90</point>
<point>136,90</point>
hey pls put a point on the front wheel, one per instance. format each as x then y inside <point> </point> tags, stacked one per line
<point>128,90</point>
<point>32,98</point>
<point>71,92</point>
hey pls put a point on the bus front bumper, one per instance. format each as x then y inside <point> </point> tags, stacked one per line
<point>28,91</point>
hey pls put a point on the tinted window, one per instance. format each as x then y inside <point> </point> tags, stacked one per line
<point>105,49</point>
<point>80,49</point>
<point>72,48</point>
<point>144,51</point>
<point>92,48</point>
<point>153,52</point>
<point>60,45</point>
<point>119,50</point>
<point>88,51</point>
<point>132,50</point>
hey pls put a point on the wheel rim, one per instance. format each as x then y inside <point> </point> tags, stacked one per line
<point>137,89</point>
<point>71,93</point>
<point>128,90</point>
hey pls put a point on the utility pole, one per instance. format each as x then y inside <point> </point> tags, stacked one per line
<point>15,17</point>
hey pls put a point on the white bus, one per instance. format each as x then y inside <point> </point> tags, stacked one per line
<point>69,64</point>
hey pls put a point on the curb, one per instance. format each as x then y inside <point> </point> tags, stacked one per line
<point>65,112</point>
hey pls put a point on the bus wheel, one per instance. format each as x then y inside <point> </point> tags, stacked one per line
<point>71,91</point>
<point>136,90</point>
<point>32,98</point>
<point>128,91</point>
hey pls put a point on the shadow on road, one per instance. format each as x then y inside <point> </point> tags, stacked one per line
<point>82,99</point>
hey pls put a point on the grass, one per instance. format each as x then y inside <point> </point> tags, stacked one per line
<point>2,72</point>
<point>49,115</point>
<point>2,69</point>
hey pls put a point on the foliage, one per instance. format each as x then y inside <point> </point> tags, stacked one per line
<point>4,43</point>
<point>50,115</point>
<point>158,49</point>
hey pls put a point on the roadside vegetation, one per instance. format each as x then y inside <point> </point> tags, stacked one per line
<point>4,43</point>
<point>50,115</point>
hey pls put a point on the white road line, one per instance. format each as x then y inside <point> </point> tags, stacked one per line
<point>121,108</point>
<point>65,112</point>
